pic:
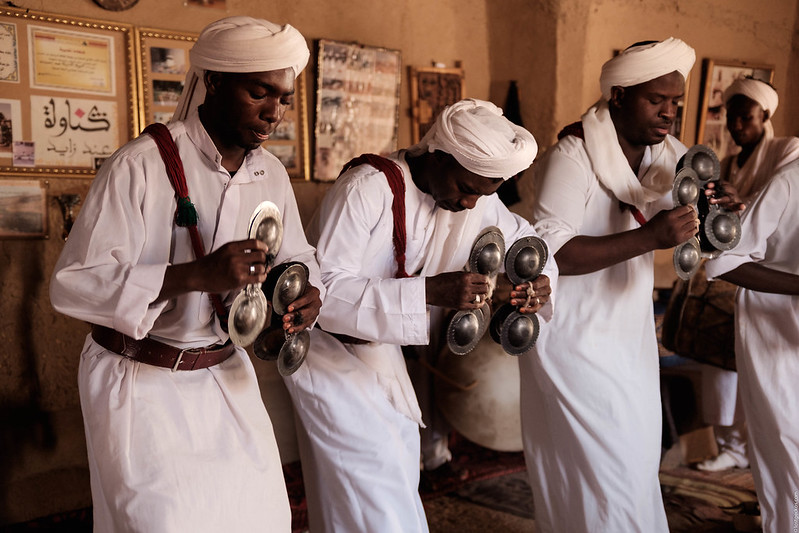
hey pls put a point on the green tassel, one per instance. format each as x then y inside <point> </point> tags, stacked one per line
<point>186,214</point>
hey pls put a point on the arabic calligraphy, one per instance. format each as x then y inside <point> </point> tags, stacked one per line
<point>94,120</point>
<point>73,131</point>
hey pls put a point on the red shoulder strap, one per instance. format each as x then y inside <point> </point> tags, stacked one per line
<point>397,183</point>
<point>185,213</point>
<point>575,129</point>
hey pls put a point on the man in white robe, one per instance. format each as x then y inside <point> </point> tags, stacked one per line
<point>766,266</point>
<point>359,416</point>
<point>750,104</point>
<point>590,390</point>
<point>180,442</point>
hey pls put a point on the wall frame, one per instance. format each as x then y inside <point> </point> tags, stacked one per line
<point>357,104</point>
<point>289,142</point>
<point>712,123</point>
<point>23,209</point>
<point>73,83</point>
<point>432,89</point>
<point>162,62</point>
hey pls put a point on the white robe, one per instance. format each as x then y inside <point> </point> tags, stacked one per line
<point>358,411</point>
<point>172,451</point>
<point>590,389</point>
<point>767,348</point>
<point>719,386</point>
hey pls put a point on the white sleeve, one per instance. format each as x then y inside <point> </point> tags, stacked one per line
<point>563,188</point>
<point>355,243</point>
<point>98,277</point>
<point>758,223</point>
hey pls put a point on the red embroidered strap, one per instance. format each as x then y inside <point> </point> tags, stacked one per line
<point>637,215</point>
<point>576,129</point>
<point>397,183</point>
<point>185,213</point>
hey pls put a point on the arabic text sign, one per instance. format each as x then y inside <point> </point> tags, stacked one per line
<point>73,132</point>
<point>71,61</point>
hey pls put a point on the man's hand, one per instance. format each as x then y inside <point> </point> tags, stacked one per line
<point>230,267</point>
<point>457,290</point>
<point>672,227</point>
<point>724,195</point>
<point>531,296</point>
<point>303,311</point>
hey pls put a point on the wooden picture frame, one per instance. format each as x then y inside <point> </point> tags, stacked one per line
<point>432,89</point>
<point>162,62</point>
<point>357,104</point>
<point>289,142</point>
<point>712,123</point>
<point>71,86</point>
<point>23,208</point>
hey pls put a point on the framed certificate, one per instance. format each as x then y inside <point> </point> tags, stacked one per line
<point>69,92</point>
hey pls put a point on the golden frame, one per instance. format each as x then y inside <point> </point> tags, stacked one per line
<point>51,91</point>
<point>162,63</point>
<point>289,142</point>
<point>23,208</point>
<point>157,102</point>
<point>711,128</point>
<point>432,89</point>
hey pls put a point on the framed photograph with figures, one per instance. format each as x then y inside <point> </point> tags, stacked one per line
<point>357,104</point>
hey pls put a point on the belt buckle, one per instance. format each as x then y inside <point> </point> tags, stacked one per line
<point>178,360</point>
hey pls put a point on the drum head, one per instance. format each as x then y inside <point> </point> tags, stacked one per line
<point>487,413</point>
<point>525,259</point>
<point>488,252</point>
<point>722,229</point>
<point>266,225</point>
<point>703,161</point>
<point>687,258</point>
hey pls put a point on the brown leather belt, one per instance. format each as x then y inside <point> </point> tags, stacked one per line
<point>156,353</point>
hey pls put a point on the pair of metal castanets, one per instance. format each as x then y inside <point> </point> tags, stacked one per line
<point>719,228</point>
<point>515,331</point>
<point>255,316</point>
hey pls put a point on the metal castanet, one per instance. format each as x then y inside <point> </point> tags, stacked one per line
<point>284,284</point>
<point>250,312</point>
<point>467,327</point>
<point>719,228</point>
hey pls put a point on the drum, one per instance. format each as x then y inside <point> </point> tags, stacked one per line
<point>487,412</point>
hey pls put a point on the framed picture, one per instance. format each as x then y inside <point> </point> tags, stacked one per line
<point>432,89</point>
<point>357,104</point>
<point>23,209</point>
<point>712,124</point>
<point>289,142</point>
<point>162,63</point>
<point>69,92</point>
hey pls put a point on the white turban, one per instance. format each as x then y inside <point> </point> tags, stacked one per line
<point>476,134</point>
<point>240,44</point>
<point>640,64</point>
<point>759,91</point>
